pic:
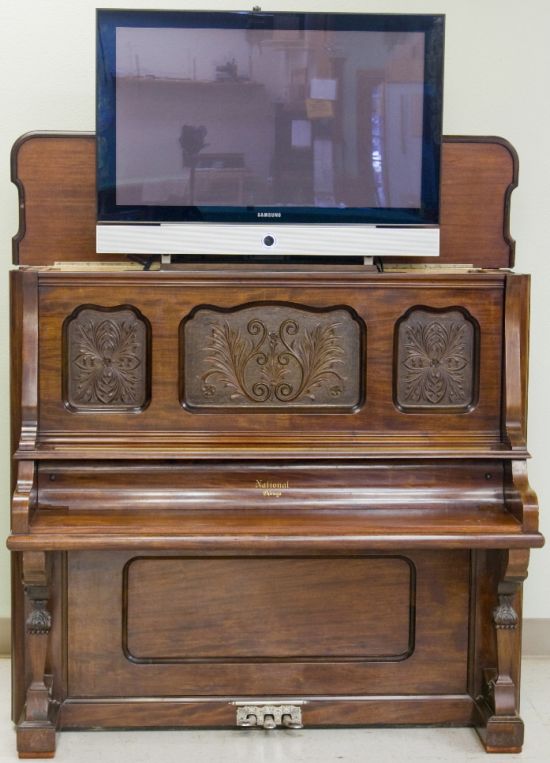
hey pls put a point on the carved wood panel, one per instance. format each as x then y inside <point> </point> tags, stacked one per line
<point>272,355</point>
<point>106,359</point>
<point>436,364</point>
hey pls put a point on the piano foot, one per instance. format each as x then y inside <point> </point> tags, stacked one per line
<point>35,740</point>
<point>499,733</point>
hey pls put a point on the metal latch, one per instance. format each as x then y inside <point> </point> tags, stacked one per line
<point>269,716</point>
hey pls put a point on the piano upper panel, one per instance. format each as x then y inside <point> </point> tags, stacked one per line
<point>315,363</point>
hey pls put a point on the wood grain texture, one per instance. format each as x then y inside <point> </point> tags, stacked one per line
<point>501,728</point>
<point>437,664</point>
<point>24,496</point>
<point>106,360</point>
<point>29,343</point>
<point>36,727</point>
<point>375,426</point>
<point>516,348</point>
<point>218,712</point>
<point>365,560</point>
<point>55,175</point>
<point>272,355</point>
<point>446,486</point>
<point>280,507</point>
<point>436,361</point>
<point>16,366</point>
<point>521,499</point>
<point>475,216</point>
<point>260,610</point>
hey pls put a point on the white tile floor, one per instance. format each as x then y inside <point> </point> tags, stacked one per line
<point>306,746</point>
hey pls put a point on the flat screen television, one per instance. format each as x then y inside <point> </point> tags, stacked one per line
<point>259,133</point>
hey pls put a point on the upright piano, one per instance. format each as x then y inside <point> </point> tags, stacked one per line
<point>267,495</point>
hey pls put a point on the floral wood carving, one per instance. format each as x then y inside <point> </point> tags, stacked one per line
<point>39,621</point>
<point>272,356</point>
<point>436,363</point>
<point>505,616</point>
<point>106,359</point>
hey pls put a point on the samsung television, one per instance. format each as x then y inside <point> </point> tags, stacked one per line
<point>259,133</point>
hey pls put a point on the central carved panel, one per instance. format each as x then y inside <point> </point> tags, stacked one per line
<point>271,356</point>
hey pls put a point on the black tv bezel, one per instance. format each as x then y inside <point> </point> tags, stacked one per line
<point>432,25</point>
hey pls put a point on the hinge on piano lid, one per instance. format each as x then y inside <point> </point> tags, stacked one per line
<point>269,716</point>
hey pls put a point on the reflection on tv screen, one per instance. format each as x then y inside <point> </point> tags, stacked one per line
<point>255,117</point>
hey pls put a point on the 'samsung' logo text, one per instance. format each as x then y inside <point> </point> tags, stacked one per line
<point>269,214</point>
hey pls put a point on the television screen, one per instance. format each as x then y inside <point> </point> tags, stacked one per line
<point>289,117</point>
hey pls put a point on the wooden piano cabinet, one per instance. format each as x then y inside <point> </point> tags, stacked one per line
<point>267,495</point>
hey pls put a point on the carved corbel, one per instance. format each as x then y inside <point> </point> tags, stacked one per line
<point>502,729</point>
<point>521,499</point>
<point>23,497</point>
<point>36,729</point>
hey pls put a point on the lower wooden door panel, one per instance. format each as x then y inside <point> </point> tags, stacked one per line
<point>170,625</point>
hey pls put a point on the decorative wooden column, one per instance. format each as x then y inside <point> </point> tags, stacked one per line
<point>36,729</point>
<point>502,729</point>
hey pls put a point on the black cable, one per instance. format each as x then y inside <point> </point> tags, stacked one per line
<point>145,262</point>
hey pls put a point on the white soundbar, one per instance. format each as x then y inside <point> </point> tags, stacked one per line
<point>263,239</point>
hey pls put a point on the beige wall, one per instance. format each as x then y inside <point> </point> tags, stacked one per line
<point>497,82</point>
